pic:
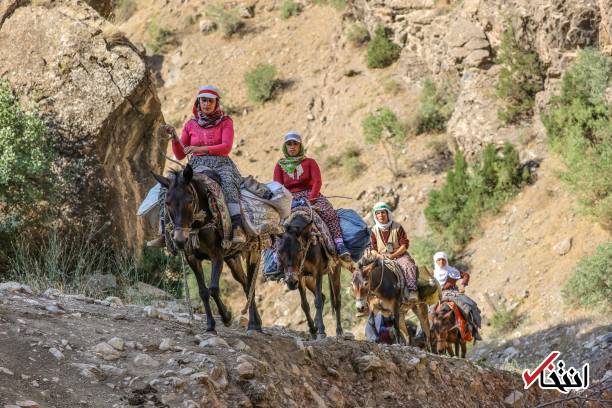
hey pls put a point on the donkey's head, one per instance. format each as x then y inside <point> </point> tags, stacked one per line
<point>181,202</point>
<point>442,321</point>
<point>292,249</point>
<point>361,286</point>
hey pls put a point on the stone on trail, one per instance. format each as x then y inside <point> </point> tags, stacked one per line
<point>106,351</point>
<point>114,301</point>
<point>15,287</point>
<point>52,293</point>
<point>117,343</point>
<point>245,370</point>
<point>6,371</point>
<point>56,353</point>
<point>28,404</point>
<point>166,344</point>
<point>151,311</point>
<point>214,342</point>
<point>144,360</point>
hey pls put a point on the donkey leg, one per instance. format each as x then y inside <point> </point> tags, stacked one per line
<point>336,297</point>
<point>420,309</point>
<point>217,267</point>
<point>463,347</point>
<point>238,273</point>
<point>319,306</point>
<point>397,315</point>
<point>253,264</point>
<point>306,309</point>
<point>196,266</point>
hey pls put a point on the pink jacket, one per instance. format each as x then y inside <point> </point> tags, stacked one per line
<point>219,139</point>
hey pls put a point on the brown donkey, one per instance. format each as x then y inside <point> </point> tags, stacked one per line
<point>445,331</point>
<point>376,288</point>
<point>304,261</point>
<point>183,200</point>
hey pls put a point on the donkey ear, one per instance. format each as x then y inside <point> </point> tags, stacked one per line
<point>188,174</point>
<point>164,181</point>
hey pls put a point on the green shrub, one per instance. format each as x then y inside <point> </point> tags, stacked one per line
<point>382,52</point>
<point>124,9</point>
<point>357,34</point>
<point>337,4</point>
<point>384,128</point>
<point>67,259</point>
<point>591,283</point>
<point>436,107</point>
<point>351,161</point>
<point>158,37</point>
<point>504,320</point>
<point>260,82</point>
<point>579,128</point>
<point>519,80</point>
<point>228,21</point>
<point>289,8</point>
<point>26,156</point>
<point>454,211</point>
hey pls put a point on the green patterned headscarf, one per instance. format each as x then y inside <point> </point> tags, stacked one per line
<point>290,163</point>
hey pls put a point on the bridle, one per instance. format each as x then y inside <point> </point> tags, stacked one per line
<point>198,213</point>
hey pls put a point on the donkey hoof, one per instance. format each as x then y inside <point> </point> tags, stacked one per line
<point>227,320</point>
<point>321,336</point>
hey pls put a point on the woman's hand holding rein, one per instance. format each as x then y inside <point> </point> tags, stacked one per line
<point>169,129</point>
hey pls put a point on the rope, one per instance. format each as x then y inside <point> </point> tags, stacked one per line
<point>186,287</point>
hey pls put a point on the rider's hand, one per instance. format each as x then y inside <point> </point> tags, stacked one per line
<point>195,149</point>
<point>169,129</point>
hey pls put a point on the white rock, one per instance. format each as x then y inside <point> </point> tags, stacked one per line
<point>53,309</point>
<point>28,404</point>
<point>117,343</point>
<point>114,301</point>
<point>214,342</point>
<point>52,293</point>
<point>563,247</point>
<point>112,370</point>
<point>6,371</point>
<point>130,345</point>
<point>15,287</point>
<point>166,344</point>
<point>144,360</point>
<point>190,404</point>
<point>151,311</point>
<point>241,345</point>
<point>56,353</point>
<point>186,371</point>
<point>207,26</point>
<point>106,351</point>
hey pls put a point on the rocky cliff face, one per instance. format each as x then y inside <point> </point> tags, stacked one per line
<point>458,41</point>
<point>95,93</point>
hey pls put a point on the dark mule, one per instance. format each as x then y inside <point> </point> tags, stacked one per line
<point>445,331</point>
<point>376,288</point>
<point>183,199</point>
<point>304,261</point>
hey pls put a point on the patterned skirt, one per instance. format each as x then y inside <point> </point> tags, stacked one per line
<point>408,266</point>
<point>327,213</point>
<point>230,176</point>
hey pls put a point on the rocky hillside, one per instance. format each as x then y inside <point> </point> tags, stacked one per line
<point>70,350</point>
<point>92,87</point>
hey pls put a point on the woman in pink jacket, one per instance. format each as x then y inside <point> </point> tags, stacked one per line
<point>208,136</point>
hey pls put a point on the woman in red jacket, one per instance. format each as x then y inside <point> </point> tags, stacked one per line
<point>208,136</point>
<point>301,175</point>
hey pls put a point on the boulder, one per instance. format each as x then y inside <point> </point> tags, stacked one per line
<point>149,292</point>
<point>93,90</point>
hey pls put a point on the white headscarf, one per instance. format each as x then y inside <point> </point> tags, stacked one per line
<point>382,207</point>
<point>442,274</point>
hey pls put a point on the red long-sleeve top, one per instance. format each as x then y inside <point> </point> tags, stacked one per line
<point>308,178</point>
<point>219,139</point>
